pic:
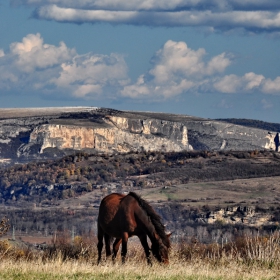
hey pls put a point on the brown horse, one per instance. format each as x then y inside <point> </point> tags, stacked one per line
<point>122,216</point>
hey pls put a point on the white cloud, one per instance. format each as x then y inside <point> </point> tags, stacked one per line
<point>218,64</point>
<point>33,65</point>
<point>176,69</point>
<point>253,80</point>
<point>228,84</point>
<point>175,58</point>
<point>272,86</point>
<point>233,83</point>
<point>31,53</point>
<point>89,74</point>
<point>222,15</point>
<point>219,5</point>
<point>84,90</point>
<point>249,20</point>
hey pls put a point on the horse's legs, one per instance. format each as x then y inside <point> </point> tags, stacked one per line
<point>116,247</point>
<point>100,243</point>
<point>107,245</point>
<point>143,239</point>
<point>124,246</point>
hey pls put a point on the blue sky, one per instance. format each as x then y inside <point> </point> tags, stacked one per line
<point>206,58</point>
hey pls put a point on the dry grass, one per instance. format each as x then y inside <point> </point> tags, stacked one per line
<point>246,258</point>
<point>195,269</point>
<point>254,191</point>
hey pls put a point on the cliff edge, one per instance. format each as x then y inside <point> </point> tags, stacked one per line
<point>38,133</point>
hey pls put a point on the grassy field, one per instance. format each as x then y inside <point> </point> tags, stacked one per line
<point>247,258</point>
<point>56,269</point>
<point>263,191</point>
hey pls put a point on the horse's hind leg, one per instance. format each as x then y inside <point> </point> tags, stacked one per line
<point>107,245</point>
<point>100,243</point>
<point>124,246</point>
<point>116,247</point>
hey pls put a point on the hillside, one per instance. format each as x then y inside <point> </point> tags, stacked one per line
<point>76,174</point>
<point>197,191</point>
<point>48,133</point>
<point>205,177</point>
<point>254,124</point>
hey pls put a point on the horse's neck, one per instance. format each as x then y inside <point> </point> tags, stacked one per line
<point>150,229</point>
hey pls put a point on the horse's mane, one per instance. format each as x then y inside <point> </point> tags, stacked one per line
<point>154,217</point>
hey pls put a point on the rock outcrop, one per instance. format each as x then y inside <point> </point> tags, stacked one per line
<point>27,134</point>
<point>119,134</point>
<point>214,135</point>
<point>246,215</point>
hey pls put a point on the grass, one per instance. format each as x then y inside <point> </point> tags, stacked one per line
<point>253,191</point>
<point>25,270</point>
<point>246,258</point>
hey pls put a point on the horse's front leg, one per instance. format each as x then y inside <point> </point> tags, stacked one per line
<point>116,247</point>
<point>143,239</point>
<point>124,246</point>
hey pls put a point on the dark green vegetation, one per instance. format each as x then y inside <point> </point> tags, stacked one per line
<point>77,174</point>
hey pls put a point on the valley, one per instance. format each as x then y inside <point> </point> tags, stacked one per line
<point>204,177</point>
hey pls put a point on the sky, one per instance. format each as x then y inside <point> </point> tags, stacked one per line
<point>205,58</point>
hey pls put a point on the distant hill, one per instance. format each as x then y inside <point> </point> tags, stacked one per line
<point>50,133</point>
<point>254,124</point>
<point>51,180</point>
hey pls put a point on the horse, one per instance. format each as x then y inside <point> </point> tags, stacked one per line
<point>123,216</point>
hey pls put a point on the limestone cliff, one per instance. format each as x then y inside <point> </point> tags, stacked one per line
<point>120,134</point>
<point>28,134</point>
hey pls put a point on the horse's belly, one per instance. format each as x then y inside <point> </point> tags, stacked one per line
<point>116,230</point>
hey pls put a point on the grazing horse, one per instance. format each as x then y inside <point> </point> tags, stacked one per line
<point>122,216</point>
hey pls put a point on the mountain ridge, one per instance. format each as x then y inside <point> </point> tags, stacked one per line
<point>40,133</point>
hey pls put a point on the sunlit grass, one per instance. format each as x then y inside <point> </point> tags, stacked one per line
<point>246,258</point>
<point>131,270</point>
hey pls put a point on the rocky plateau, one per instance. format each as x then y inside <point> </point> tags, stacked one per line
<point>41,133</point>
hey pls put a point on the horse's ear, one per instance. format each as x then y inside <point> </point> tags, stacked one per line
<point>168,234</point>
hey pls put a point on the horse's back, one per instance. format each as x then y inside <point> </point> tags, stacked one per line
<point>110,204</point>
<point>113,198</point>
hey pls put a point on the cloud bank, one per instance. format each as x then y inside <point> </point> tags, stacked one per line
<point>31,65</point>
<point>216,15</point>
<point>34,66</point>
<point>177,69</point>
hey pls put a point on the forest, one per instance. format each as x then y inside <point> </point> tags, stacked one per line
<point>76,174</point>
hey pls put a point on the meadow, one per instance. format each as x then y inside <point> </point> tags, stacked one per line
<point>255,257</point>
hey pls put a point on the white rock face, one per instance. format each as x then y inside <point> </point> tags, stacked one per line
<point>216,135</point>
<point>123,135</point>
<point>25,134</point>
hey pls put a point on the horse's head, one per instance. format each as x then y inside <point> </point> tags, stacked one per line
<point>160,249</point>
